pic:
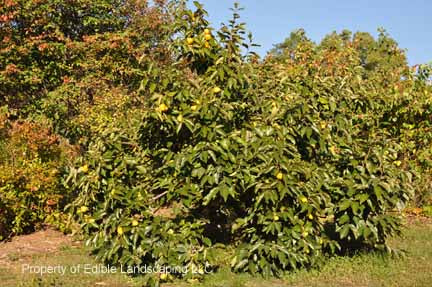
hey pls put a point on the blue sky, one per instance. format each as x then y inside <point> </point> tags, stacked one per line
<point>271,21</point>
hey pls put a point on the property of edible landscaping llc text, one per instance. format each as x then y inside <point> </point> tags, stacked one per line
<point>107,269</point>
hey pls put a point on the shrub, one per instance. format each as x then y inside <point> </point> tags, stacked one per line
<point>284,162</point>
<point>30,177</point>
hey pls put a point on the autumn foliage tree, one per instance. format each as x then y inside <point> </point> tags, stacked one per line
<point>64,66</point>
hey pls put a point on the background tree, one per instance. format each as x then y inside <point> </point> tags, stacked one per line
<point>287,48</point>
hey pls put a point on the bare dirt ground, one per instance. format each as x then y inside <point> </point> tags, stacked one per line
<point>22,248</point>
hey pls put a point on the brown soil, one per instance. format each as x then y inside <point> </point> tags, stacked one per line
<point>22,248</point>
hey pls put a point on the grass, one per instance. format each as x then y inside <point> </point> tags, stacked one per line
<point>372,269</point>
